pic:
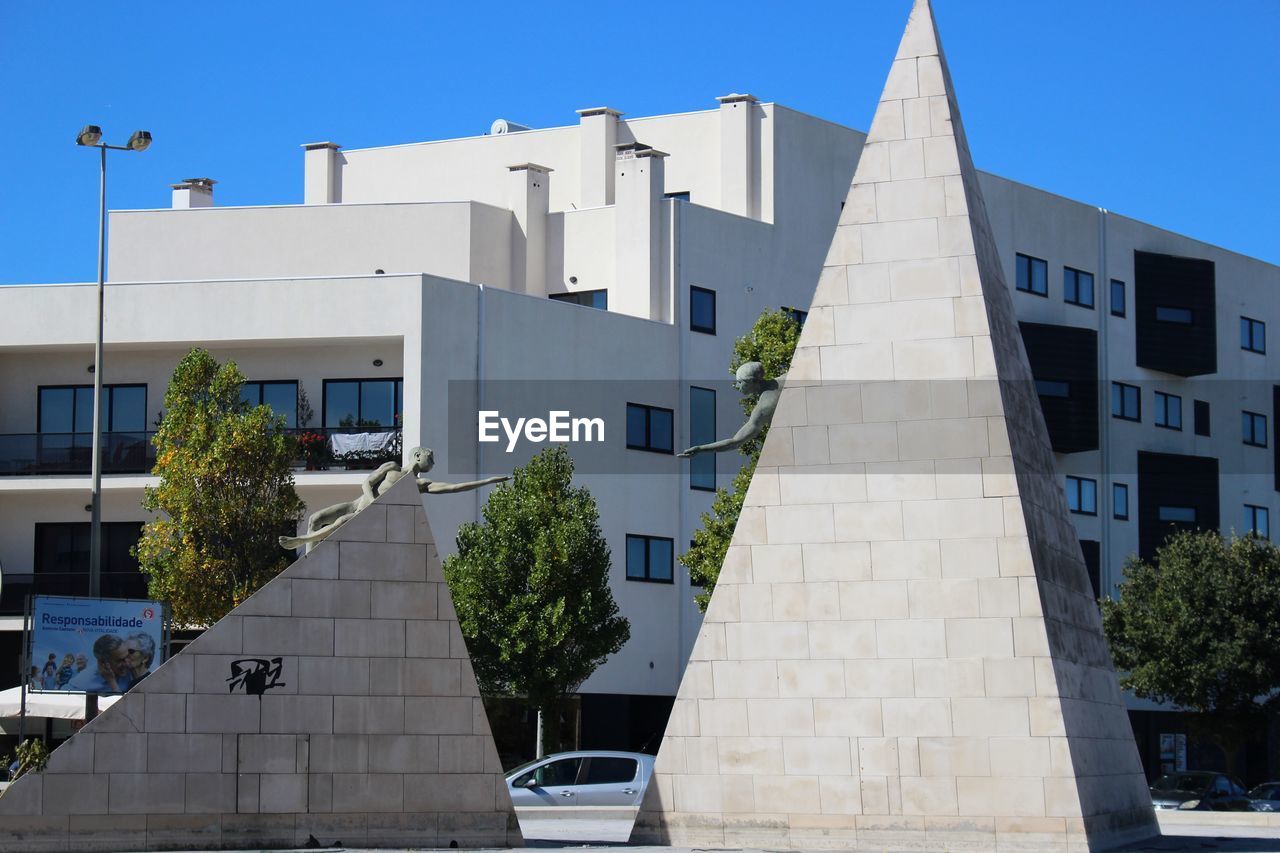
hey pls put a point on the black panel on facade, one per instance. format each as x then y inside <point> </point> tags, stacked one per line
<point>1174,312</point>
<point>1092,551</point>
<point>1065,359</point>
<point>1175,492</point>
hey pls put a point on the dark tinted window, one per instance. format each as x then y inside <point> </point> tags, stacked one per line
<point>1171,314</point>
<point>649,558</point>
<point>1077,287</point>
<point>363,402</point>
<point>649,428</point>
<point>1032,275</point>
<point>607,771</point>
<point>1117,298</point>
<point>702,310</point>
<point>590,298</point>
<point>1200,409</point>
<point>702,430</point>
<point>1126,403</point>
<point>562,772</point>
<point>281,397</point>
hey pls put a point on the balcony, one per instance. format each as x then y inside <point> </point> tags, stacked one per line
<point>72,453</point>
<point>339,448</point>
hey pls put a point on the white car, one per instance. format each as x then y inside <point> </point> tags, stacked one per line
<point>586,778</point>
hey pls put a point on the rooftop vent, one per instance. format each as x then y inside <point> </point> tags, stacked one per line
<point>501,125</point>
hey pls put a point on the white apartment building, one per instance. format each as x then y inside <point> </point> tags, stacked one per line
<point>410,290</point>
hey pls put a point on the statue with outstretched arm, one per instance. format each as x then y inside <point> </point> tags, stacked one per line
<point>749,380</point>
<point>421,460</point>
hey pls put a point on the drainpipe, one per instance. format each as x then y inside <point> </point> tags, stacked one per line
<point>1103,302</point>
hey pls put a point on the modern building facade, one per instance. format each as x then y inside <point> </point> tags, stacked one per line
<point>420,283</point>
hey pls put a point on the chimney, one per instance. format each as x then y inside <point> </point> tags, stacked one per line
<point>193,192</point>
<point>738,189</point>
<point>597,137</point>
<point>530,191</point>
<point>638,245</point>
<point>322,173</point>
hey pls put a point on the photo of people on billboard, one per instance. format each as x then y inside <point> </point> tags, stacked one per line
<point>93,645</point>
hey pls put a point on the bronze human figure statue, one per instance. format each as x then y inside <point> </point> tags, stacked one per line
<point>749,380</point>
<point>324,521</point>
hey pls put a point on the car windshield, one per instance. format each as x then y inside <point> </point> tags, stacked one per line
<point>1182,782</point>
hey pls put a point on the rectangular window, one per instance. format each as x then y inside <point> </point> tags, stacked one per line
<point>1255,429</point>
<point>1257,520</point>
<point>702,430</point>
<point>363,403</point>
<point>1177,514</point>
<point>281,396</point>
<point>587,298</point>
<point>797,315</point>
<point>1082,495</point>
<point>61,561</point>
<point>1053,388</point>
<point>650,558</point>
<point>1117,298</point>
<point>1126,402</point>
<point>1171,314</point>
<point>1077,287</point>
<point>1120,501</point>
<point>1168,411</point>
<point>1200,412</point>
<point>649,428</point>
<point>69,408</point>
<point>702,310</point>
<point>1253,335</point>
<point>1033,275</point>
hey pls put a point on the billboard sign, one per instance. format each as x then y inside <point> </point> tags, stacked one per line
<point>93,645</point>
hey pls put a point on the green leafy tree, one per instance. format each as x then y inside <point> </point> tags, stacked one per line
<point>772,342</point>
<point>225,494</point>
<point>1200,628</point>
<point>530,584</point>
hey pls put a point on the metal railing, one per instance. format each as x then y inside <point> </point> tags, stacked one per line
<point>23,454</point>
<point>72,452</point>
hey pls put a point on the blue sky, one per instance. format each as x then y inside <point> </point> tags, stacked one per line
<point>1164,110</point>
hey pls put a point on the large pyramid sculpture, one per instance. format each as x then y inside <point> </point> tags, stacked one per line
<point>903,649</point>
<point>373,734</point>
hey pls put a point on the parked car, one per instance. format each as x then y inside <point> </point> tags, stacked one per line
<point>1199,789</point>
<point>1265,797</point>
<point>586,778</point>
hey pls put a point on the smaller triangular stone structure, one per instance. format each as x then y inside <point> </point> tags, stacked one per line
<point>903,649</point>
<point>371,732</point>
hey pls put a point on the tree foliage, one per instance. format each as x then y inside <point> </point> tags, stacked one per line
<point>530,585</point>
<point>772,342</point>
<point>225,494</point>
<point>1201,626</point>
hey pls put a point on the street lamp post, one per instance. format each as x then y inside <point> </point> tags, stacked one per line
<point>91,137</point>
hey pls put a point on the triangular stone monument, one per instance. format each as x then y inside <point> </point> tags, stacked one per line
<point>903,648</point>
<point>362,726</point>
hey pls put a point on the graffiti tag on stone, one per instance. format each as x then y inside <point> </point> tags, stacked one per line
<point>255,676</point>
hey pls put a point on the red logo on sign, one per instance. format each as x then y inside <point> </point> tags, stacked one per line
<point>148,613</point>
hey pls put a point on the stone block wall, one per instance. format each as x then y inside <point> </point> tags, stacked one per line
<point>338,702</point>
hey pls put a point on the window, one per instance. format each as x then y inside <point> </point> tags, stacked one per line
<point>1168,411</point>
<point>1170,314</point>
<point>61,563</point>
<point>1200,413</point>
<point>702,310</point>
<point>1255,429</point>
<point>363,402</point>
<point>1077,287</point>
<point>610,771</point>
<point>1177,514</point>
<point>1053,388</point>
<point>797,315</point>
<point>702,429</point>
<point>649,558</point>
<point>1117,298</point>
<point>1257,521</point>
<point>1126,402</point>
<point>1120,501</point>
<point>588,298</point>
<point>1253,335</point>
<point>1082,495</point>
<point>281,397</point>
<point>680,196</point>
<point>1033,275</point>
<point>69,408</point>
<point>555,774</point>
<point>649,428</point>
